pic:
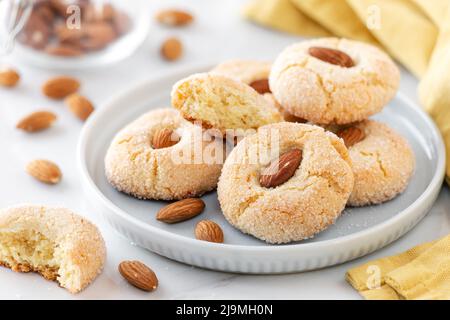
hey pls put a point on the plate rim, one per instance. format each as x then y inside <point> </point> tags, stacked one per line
<point>100,113</point>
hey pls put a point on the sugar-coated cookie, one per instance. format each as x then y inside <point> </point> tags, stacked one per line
<point>252,72</point>
<point>383,162</point>
<point>52,241</point>
<point>307,203</point>
<point>188,167</point>
<point>333,80</point>
<point>288,117</point>
<point>222,103</point>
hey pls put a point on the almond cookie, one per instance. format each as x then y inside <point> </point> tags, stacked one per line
<point>252,72</point>
<point>222,103</point>
<point>383,162</point>
<point>52,241</point>
<point>333,81</point>
<point>162,156</point>
<point>288,117</point>
<point>302,195</point>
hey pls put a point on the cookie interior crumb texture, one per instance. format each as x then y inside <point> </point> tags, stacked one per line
<point>54,242</point>
<point>222,103</point>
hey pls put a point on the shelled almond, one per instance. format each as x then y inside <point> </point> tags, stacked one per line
<point>165,138</point>
<point>37,121</point>
<point>207,230</point>
<point>181,210</point>
<point>139,275</point>
<point>60,87</point>
<point>351,136</point>
<point>9,77</point>
<point>174,17</point>
<point>281,169</point>
<point>172,49</point>
<point>44,171</point>
<point>80,106</point>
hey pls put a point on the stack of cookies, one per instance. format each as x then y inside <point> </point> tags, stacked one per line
<point>303,146</point>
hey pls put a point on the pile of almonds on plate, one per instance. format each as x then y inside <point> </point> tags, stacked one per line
<point>47,29</point>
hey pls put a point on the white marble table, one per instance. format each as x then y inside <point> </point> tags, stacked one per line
<point>219,33</point>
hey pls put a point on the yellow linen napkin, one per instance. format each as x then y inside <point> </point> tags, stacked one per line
<point>422,272</point>
<point>284,16</point>
<point>410,39</point>
<point>337,16</point>
<point>434,89</point>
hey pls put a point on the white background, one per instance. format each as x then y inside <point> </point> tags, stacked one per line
<point>218,33</point>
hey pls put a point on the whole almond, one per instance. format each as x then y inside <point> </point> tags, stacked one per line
<point>208,230</point>
<point>139,275</point>
<point>44,171</point>
<point>181,210</point>
<point>332,56</point>
<point>261,86</point>
<point>80,106</point>
<point>37,121</point>
<point>64,51</point>
<point>172,49</point>
<point>165,138</point>
<point>9,77</point>
<point>60,87</point>
<point>174,17</point>
<point>351,136</point>
<point>281,169</point>
<point>97,35</point>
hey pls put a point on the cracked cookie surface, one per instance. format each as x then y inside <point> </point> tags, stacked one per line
<point>383,164</point>
<point>189,168</point>
<point>52,241</point>
<point>309,202</point>
<point>246,71</point>
<point>325,93</point>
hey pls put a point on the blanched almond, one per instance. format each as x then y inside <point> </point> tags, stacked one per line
<point>37,121</point>
<point>44,171</point>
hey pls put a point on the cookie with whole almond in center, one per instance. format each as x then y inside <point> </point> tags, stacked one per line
<point>286,183</point>
<point>333,81</point>
<point>383,162</point>
<point>162,156</point>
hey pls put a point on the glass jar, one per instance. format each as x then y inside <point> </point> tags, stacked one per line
<point>75,34</point>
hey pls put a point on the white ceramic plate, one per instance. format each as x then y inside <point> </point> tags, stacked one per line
<point>357,233</point>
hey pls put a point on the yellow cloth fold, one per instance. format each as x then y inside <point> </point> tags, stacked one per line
<point>415,32</point>
<point>422,272</point>
<point>284,16</point>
